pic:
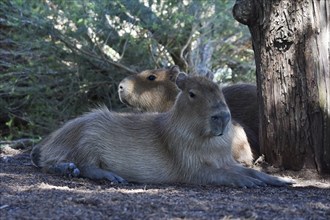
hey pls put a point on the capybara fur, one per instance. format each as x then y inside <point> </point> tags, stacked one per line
<point>155,91</point>
<point>190,143</point>
<point>150,90</point>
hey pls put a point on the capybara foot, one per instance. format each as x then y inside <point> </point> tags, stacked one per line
<point>96,173</point>
<point>66,169</point>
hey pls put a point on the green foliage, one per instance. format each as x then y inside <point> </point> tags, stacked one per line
<point>60,58</point>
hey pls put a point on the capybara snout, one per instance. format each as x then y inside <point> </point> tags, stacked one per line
<point>221,116</point>
<point>124,90</point>
<point>219,122</point>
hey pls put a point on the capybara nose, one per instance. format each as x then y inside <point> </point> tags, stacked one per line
<point>222,117</point>
<point>121,87</point>
<point>220,122</point>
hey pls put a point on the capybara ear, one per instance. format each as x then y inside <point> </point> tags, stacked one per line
<point>181,80</point>
<point>173,72</point>
<point>209,75</point>
<point>174,69</point>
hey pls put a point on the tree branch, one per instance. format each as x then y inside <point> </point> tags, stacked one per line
<point>91,55</point>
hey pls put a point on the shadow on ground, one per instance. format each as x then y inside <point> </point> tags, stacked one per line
<point>27,193</point>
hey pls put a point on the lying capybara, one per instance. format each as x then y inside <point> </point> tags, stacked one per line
<point>155,91</point>
<point>160,97</point>
<point>190,143</point>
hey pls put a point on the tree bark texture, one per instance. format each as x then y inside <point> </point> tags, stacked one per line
<point>291,45</point>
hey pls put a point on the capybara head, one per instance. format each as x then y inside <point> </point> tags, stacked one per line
<point>143,90</point>
<point>203,103</point>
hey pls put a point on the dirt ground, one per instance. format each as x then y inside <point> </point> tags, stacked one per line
<point>27,193</point>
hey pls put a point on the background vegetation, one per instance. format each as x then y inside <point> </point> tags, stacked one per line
<point>60,58</point>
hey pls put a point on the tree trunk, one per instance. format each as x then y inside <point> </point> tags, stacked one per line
<point>291,45</point>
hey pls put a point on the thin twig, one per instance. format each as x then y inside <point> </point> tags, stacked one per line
<point>90,55</point>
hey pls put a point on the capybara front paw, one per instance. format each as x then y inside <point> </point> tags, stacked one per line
<point>115,178</point>
<point>66,169</point>
<point>72,170</point>
<point>248,182</point>
<point>240,180</point>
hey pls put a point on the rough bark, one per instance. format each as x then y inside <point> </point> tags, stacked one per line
<point>291,45</point>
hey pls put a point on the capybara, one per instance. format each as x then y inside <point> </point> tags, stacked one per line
<point>160,96</point>
<point>155,91</point>
<point>190,143</point>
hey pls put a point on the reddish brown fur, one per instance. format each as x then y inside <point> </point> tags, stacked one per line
<point>191,143</point>
<point>139,91</point>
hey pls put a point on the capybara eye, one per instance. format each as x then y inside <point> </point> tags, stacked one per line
<point>192,95</point>
<point>151,77</point>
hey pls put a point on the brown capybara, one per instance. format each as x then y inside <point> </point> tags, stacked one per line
<point>190,143</point>
<point>160,97</point>
<point>155,91</point>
